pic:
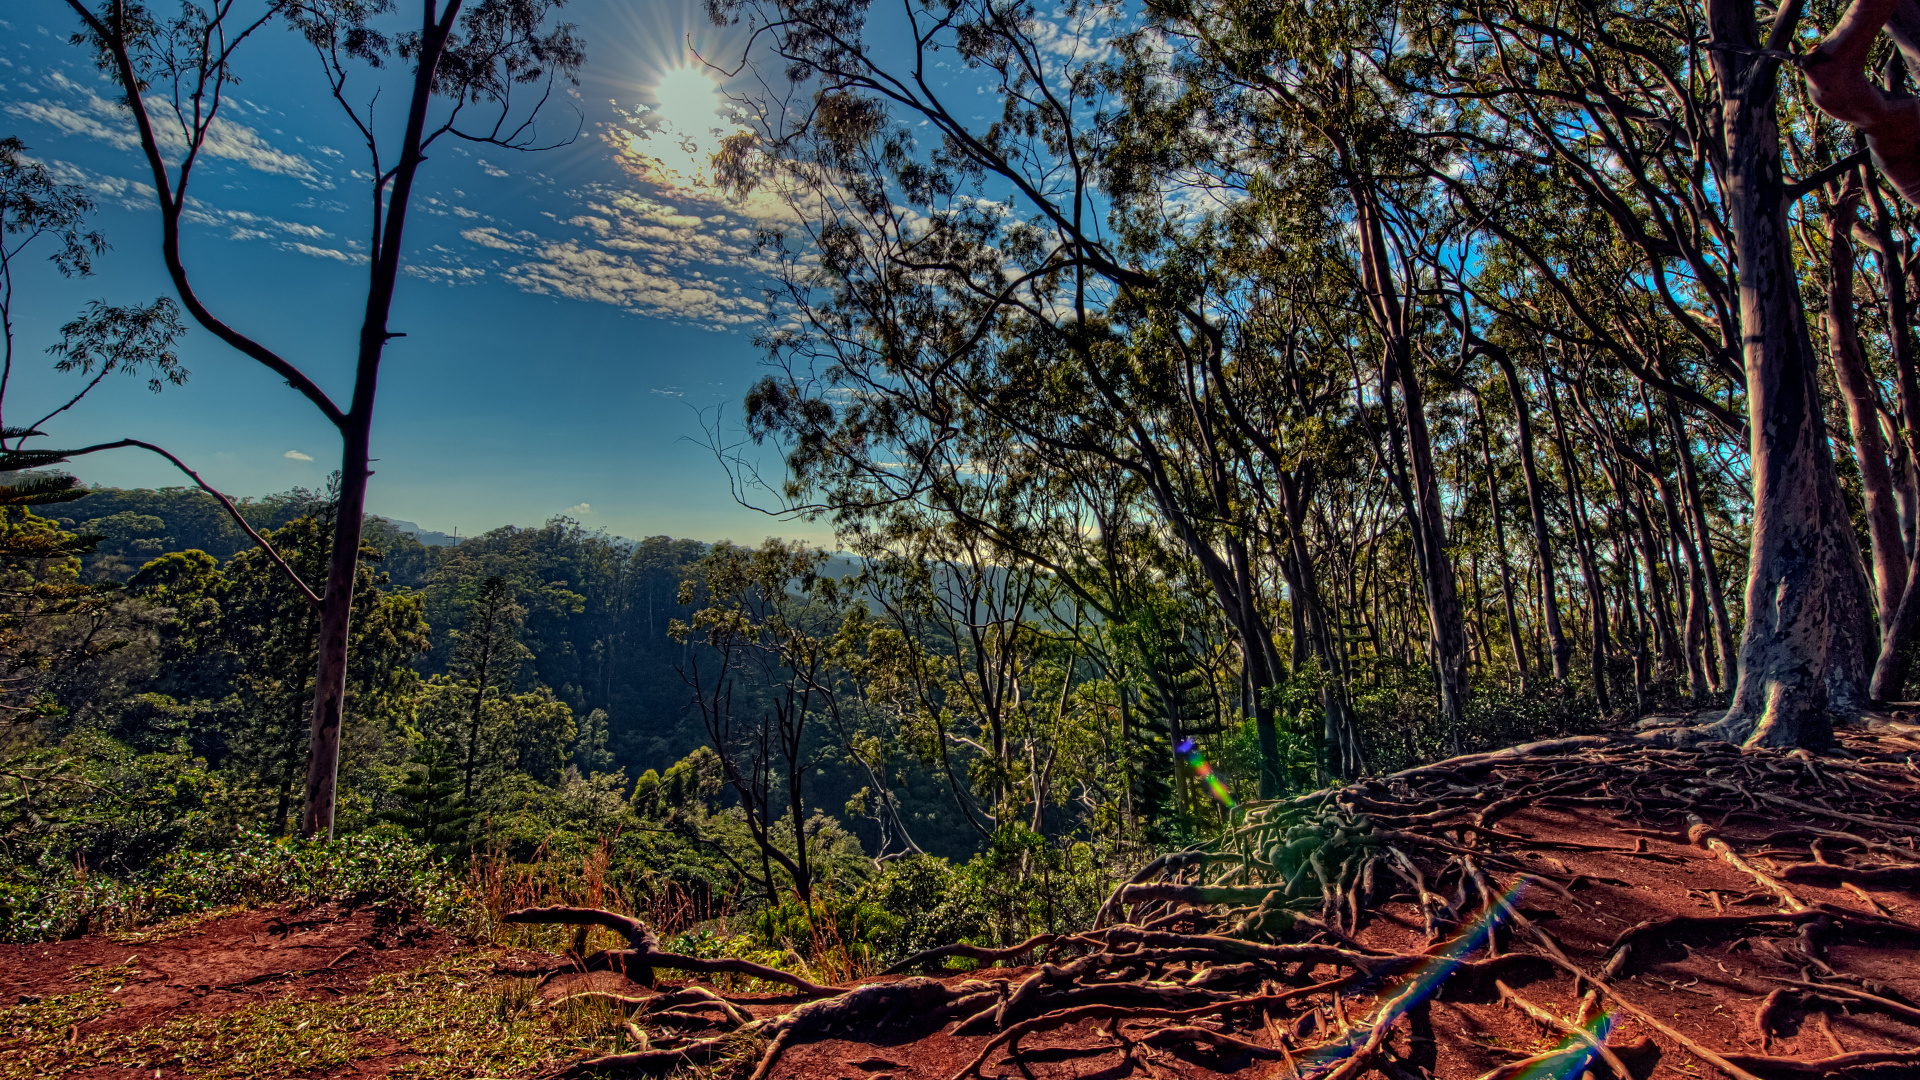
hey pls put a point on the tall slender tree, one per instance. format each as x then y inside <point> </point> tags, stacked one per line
<point>472,70</point>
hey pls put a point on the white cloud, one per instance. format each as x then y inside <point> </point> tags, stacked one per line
<point>73,123</point>
<point>295,455</point>
<point>588,273</point>
<point>131,194</point>
<point>579,510</point>
<point>89,115</point>
<point>491,237</point>
<point>352,257</point>
<point>445,274</point>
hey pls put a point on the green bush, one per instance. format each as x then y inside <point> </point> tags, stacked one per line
<point>381,867</point>
<point>858,930</point>
<point>932,903</point>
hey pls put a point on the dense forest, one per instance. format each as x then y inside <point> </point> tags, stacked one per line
<point>1266,395</point>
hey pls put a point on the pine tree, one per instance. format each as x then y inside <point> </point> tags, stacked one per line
<point>487,655</point>
<point>432,809</point>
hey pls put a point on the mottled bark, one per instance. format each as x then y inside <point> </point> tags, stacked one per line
<point>1802,655</point>
<point>1863,414</point>
<point>1838,85</point>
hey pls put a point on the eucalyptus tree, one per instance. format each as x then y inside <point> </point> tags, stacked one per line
<point>1286,97</point>
<point>764,674</point>
<point>473,68</point>
<point>1667,119</point>
<point>972,282</point>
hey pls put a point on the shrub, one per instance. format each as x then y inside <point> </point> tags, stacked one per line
<point>381,867</point>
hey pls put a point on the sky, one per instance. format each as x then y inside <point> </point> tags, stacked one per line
<point>577,319</point>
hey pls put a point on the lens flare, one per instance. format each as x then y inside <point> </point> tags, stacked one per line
<point>1574,1053</point>
<point>1418,986</point>
<point>1189,750</point>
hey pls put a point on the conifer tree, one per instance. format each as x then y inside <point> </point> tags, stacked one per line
<point>431,807</point>
<point>487,655</point>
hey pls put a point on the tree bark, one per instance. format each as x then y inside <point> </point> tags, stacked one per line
<point>1802,655</point>
<point>356,431</point>
<point>1500,545</point>
<point>1863,413</point>
<point>1723,660</point>
<point>1557,647</point>
<point>1447,632</point>
<point>1896,638</point>
<point>1583,547</point>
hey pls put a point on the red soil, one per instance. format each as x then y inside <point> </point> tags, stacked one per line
<point>1706,983</point>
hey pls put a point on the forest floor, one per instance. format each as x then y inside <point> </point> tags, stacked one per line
<point>1778,937</point>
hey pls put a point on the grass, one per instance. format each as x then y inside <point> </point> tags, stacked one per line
<point>455,1017</point>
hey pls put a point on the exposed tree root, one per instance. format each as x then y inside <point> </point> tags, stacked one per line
<point>922,960</point>
<point>1268,922</point>
<point>1837,1066</point>
<point>1554,1023</point>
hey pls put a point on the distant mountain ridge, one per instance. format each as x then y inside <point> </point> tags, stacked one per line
<point>425,536</point>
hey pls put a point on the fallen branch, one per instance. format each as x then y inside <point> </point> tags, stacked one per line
<point>644,956</point>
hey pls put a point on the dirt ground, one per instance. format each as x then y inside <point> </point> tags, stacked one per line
<point>1718,980</point>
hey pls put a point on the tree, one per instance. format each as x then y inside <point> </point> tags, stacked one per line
<point>486,660</point>
<point>484,58</point>
<point>762,674</point>
<point>590,753</point>
<point>431,807</point>
<point>242,638</point>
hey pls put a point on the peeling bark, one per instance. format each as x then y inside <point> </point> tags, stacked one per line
<point>1802,655</point>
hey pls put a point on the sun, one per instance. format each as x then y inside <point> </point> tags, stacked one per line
<point>678,134</point>
<point>689,100</point>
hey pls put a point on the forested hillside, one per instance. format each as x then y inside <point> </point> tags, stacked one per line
<point>1301,475</point>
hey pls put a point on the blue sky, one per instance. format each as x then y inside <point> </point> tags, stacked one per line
<point>571,315</point>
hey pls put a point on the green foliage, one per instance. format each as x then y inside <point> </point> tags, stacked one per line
<point>1027,883</point>
<point>381,866</point>
<point>591,752</point>
<point>932,903</point>
<point>239,647</point>
<point>685,788</point>
<point>848,929</point>
<point>431,809</point>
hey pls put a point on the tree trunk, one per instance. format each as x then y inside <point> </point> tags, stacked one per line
<point>1557,647</point>
<point>356,432</point>
<point>1447,633</point>
<point>1344,755</point>
<point>1897,635</point>
<point>1863,414</point>
<point>1600,644</point>
<point>1500,546</point>
<point>336,614</point>
<point>1723,663</point>
<point>1802,655</point>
